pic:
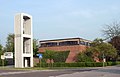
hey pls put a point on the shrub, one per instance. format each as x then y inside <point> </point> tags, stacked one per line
<point>112,63</point>
<point>98,64</point>
<point>61,56</point>
<point>82,57</point>
<point>79,64</point>
<point>5,62</point>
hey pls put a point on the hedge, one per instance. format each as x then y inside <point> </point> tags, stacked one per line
<point>78,64</point>
<point>112,63</point>
<point>5,62</point>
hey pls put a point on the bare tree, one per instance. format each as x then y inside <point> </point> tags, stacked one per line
<point>112,30</point>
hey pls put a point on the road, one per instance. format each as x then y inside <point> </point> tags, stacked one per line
<point>111,71</point>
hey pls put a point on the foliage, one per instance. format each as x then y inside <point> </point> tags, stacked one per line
<point>80,64</point>
<point>97,42</point>
<point>108,50</point>
<point>10,43</point>
<point>1,62</point>
<point>99,48</point>
<point>112,63</point>
<point>112,32</point>
<point>1,49</point>
<point>1,53</point>
<point>35,47</point>
<point>115,41</point>
<point>92,52</point>
<point>54,56</point>
<point>61,56</point>
<point>49,54</point>
<point>82,57</point>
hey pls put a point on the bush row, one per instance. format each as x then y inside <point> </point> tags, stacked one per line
<point>1,62</point>
<point>78,64</point>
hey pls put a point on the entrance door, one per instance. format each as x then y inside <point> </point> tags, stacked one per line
<point>26,61</point>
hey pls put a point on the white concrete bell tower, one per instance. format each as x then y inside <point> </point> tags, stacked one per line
<point>23,40</point>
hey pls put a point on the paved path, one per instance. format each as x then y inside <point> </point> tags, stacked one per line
<point>113,71</point>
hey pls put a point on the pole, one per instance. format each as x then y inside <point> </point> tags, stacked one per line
<point>40,61</point>
<point>103,60</point>
<point>3,62</point>
<point>2,58</point>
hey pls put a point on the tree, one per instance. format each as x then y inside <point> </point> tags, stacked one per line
<point>100,48</point>
<point>10,43</point>
<point>82,57</point>
<point>49,54</point>
<point>115,41</point>
<point>93,52</point>
<point>97,42</point>
<point>112,32</point>
<point>1,49</point>
<point>35,47</point>
<point>108,51</point>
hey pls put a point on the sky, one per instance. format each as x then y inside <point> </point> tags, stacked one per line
<point>57,19</point>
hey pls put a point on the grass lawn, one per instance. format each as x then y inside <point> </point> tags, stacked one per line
<point>33,68</point>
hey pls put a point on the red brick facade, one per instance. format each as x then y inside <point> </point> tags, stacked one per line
<point>74,50</point>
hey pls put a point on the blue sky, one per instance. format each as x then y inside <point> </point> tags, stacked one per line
<point>53,19</point>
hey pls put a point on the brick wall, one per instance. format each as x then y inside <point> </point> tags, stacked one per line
<point>74,50</point>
